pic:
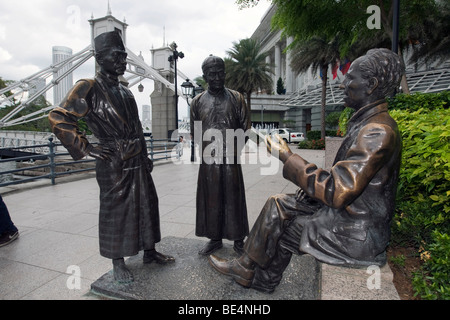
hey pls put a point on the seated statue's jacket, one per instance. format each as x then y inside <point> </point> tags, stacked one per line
<point>129,216</point>
<point>352,227</point>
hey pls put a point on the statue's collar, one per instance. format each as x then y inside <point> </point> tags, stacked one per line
<point>109,79</point>
<point>218,93</point>
<point>368,111</point>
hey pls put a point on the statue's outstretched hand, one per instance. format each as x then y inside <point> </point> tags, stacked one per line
<point>278,147</point>
<point>101,153</point>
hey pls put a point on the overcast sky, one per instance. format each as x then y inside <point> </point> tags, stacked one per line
<point>30,28</point>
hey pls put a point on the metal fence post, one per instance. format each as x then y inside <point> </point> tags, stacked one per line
<point>51,155</point>
<point>151,148</point>
<point>165,149</point>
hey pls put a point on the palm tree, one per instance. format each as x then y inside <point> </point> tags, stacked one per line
<point>247,70</point>
<point>318,54</point>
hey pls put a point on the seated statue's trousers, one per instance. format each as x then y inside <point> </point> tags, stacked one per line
<point>276,235</point>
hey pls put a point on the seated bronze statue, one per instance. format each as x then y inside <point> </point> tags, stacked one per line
<point>341,216</point>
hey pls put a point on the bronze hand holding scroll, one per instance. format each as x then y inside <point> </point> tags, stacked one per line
<point>278,147</point>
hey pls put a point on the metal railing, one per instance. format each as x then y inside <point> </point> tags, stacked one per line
<point>158,149</point>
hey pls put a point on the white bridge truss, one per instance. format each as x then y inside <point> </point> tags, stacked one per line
<point>136,71</point>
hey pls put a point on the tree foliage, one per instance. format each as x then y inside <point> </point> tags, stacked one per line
<point>41,125</point>
<point>4,84</point>
<point>247,69</point>
<point>246,3</point>
<point>423,23</point>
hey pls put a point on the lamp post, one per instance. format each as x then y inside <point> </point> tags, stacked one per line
<point>187,89</point>
<point>190,91</point>
<point>262,116</point>
<point>173,59</point>
<point>395,25</point>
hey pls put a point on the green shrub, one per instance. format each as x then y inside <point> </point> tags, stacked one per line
<point>346,114</point>
<point>314,141</point>
<point>318,144</point>
<point>332,119</point>
<point>426,156</point>
<point>422,213</point>
<point>432,281</point>
<point>317,134</point>
<point>414,222</point>
<point>418,100</point>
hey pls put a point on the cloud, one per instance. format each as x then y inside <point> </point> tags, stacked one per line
<point>5,56</point>
<point>2,33</point>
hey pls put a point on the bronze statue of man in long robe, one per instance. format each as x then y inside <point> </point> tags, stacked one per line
<point>221,204</point>
<point>129,212</point>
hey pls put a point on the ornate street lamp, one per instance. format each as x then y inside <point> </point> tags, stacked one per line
<point>190,91</point>
<point>187,89</point>
<point>141,88</point>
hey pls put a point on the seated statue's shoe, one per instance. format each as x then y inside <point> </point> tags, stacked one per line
<point>154,256</point>
<point>210,247</point>
<point>233,268</point>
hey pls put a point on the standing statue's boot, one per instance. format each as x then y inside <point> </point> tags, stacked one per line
<point>238,246</point>
<point>210,247</point>
<point>154,256</point>
<point>121,272</point>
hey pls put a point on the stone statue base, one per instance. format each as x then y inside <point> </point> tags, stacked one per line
<point>192,278</point>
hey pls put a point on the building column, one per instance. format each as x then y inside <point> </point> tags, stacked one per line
<point>163,111</point>
<point>289,73</point>
<point>277,65</point>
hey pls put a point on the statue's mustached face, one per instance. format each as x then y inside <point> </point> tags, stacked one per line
<point>113,61</point>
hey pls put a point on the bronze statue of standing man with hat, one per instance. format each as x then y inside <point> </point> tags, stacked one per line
<point>129,211</point>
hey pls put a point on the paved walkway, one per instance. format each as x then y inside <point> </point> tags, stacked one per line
<point>59,236</point>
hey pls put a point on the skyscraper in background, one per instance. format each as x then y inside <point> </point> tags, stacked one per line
<point>146,119</point>
<point>60,90</point>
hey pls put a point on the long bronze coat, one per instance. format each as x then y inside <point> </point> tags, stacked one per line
<point>221,205</point>
<point>350,223</point>
<point>129,216</point>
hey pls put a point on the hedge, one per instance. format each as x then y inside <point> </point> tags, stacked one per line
<point>422,217</point>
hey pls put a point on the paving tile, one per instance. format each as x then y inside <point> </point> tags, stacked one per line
<point>19,279</point>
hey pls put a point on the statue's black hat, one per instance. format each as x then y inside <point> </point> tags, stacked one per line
<point>108,40</point>
<point>212,61</point>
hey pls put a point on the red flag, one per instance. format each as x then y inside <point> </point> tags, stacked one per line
<point>344,67</point>
<point>334,71</point>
